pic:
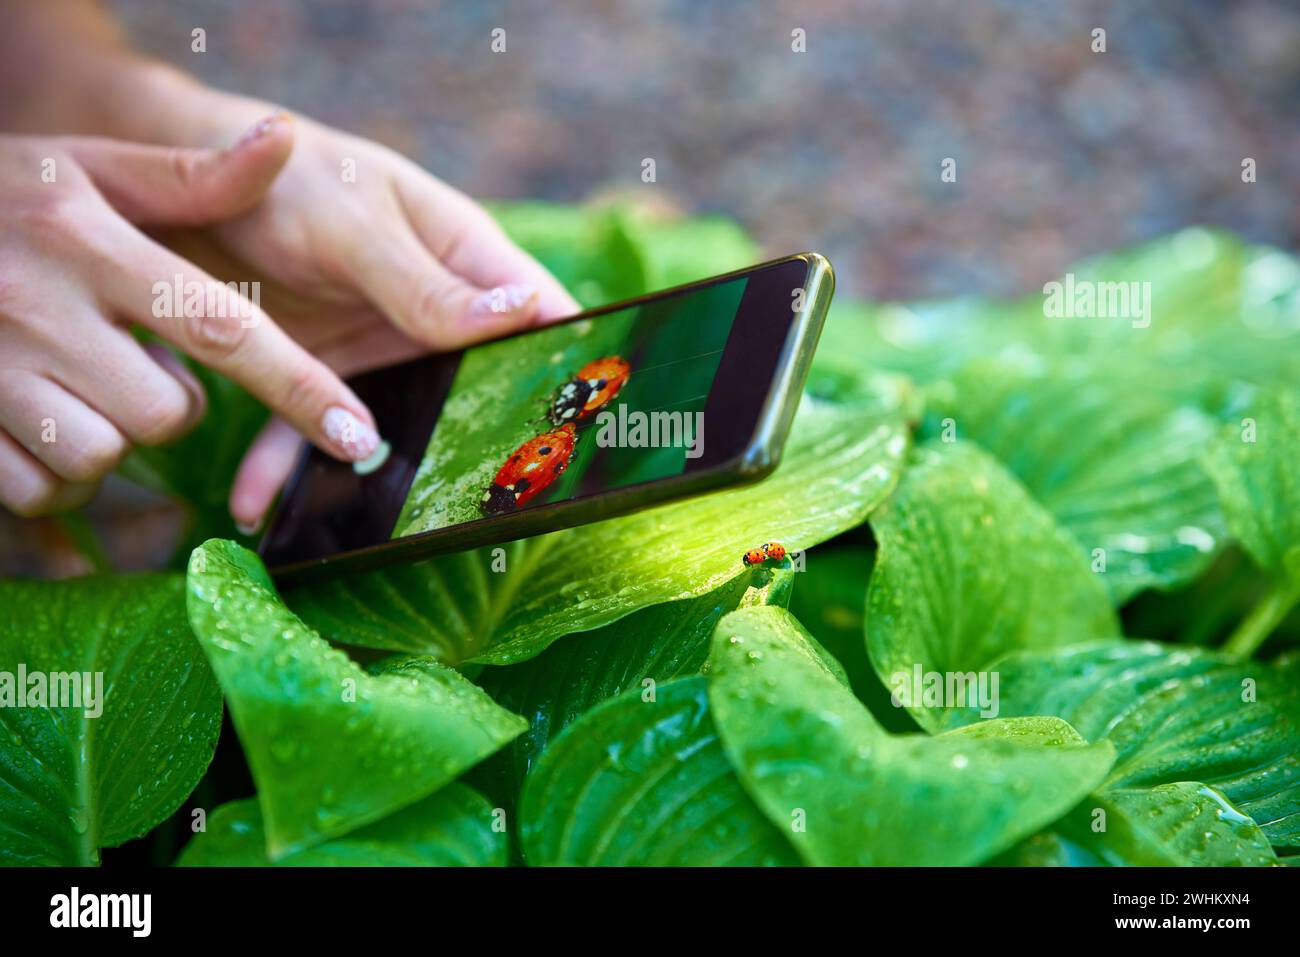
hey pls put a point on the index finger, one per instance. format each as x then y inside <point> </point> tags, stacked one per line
<point>222,326</point>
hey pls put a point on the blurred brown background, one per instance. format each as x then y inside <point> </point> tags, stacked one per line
<point>1060,151</point>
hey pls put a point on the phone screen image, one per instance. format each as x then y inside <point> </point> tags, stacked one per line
<point>573,410</point>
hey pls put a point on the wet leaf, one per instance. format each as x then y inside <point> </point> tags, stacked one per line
<point>330,746</point>
<point>816,762</point>
<point>1256,466</point>
<point>77,778</point>
<point>1174,715</point>
<point>1119,467</point>
<point>576,673</point>
<point>970,567</point>
<point>644,783</point>
<point>452,828</point>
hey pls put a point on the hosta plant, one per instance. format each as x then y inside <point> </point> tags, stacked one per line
<point>1039,608</point>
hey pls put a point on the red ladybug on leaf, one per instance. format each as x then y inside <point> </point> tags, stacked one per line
<point>593,388</point>
<point>531,469</point>
<point>768,550</point>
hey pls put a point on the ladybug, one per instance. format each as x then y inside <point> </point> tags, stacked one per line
<point>593,388</point>
<point>757,556</point>
<point>533,466</point>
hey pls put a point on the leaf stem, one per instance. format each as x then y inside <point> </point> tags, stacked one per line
<point>1264,618</point>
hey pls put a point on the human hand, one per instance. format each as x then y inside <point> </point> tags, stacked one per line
<point>369,260</point>
<point>76,388</point>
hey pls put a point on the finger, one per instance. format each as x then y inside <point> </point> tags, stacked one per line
<point>170,363</point>
<point>166,184</point>
<point>472,244</point>
<point>29,489</point>
<point>225,331</point>
<point>112,373</point>
<point>429,302</point>
<point>262,473</point>
<point>57,429</point>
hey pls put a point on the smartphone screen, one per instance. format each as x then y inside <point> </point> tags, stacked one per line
<point>631,396</point>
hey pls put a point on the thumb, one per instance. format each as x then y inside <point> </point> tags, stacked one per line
<point>186,187</point>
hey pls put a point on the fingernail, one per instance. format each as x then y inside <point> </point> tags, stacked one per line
<point>258,130</point>
<point>246,528</point>
<point>352,437</point>
<point>374,461</point>
<point>503,299</point>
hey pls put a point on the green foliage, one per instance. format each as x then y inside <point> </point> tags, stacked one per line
<point>655,645</point>
<point>331,747</point>
<point>1123,475</point>
<point>104,760</point>
<point>1174,715</point>
<point>1255,466</point>
<point>970,566</point>
<point>644,783</point>
<point>847,792</point>
<point>982,489</point>
<point>452,828</point>
<point>1184,824</point>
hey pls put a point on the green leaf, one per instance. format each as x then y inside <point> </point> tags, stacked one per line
<point>674,251</point>
<point>926,341</point>
<point>1171,825</point>
<point>970,567</point>
<point>811,755</point>
<point>1035,730</point>
<point>1119,467</point>
<point>1184,824</point>
<point>830,601</point>
<point>644,783</point>
<point>1220,313</point>
<point>1174,714</point>
<point>75,779</point>
<point>584,247</point>
<point>839,465</point>
<point>1205,611</point>
<point>330,746</point>
<point>1046,849</point>
<point>659,643</point>
<point>1256,467</point>
<point>452,828</point>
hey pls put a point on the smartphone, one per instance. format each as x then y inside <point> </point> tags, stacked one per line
<point>614,410</point>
